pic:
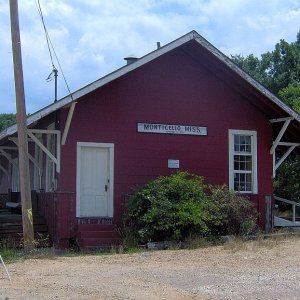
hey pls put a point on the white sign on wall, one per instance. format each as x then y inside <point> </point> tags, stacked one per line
<point>171,129</point>
<point>173,163</point>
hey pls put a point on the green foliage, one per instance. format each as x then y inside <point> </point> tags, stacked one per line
<point>252,66</point>
<point>291,96</point>
<point>287,182</point>
<point>283,65</point>
<point>169,207</point>
<point>231,214</point>
<point>9,250</point>
<point>129,236</point>
<point>7,120</point>
<point>178,206</point>
<point>276,69</point>
<point>12,250</point>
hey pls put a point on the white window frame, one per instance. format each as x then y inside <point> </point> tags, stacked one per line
<point>253,135</point>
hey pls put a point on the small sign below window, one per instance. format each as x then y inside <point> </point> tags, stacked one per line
<point>173,163</point>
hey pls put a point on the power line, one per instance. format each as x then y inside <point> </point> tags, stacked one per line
<point>45,29</point>
<point>50,46</point>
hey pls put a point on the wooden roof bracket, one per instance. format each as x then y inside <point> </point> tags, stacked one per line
<point>31,158</point>
<point>4,171</point>
<point>68,123</point>
<point>56,159</point>
<point>277,142</point>
<point>7,156</point>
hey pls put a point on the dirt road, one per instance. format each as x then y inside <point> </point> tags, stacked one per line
<point>256,270</point>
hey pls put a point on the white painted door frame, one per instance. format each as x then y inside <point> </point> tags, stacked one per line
<point>110,148</point>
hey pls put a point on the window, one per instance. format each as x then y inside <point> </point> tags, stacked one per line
<point>243,161</point>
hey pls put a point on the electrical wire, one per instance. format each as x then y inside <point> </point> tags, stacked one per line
<point>50,46</point>
<point>45,29</point>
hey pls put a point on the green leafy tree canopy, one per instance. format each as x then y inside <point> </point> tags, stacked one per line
<point>7,120</point>
<point>276,69</point>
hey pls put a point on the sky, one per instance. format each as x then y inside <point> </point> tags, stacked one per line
<point>91,37</point>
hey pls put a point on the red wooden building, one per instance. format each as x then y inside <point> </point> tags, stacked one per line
<point>184,106</point>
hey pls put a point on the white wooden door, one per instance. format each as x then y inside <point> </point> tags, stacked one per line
<point>93,181</point>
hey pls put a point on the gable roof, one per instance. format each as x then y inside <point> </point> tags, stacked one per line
<point>191,36</point>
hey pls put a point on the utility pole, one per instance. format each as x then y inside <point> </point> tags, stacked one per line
<point>28,233</point>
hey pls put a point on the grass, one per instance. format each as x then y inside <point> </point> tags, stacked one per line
<point>260,241</point>
<point>12,252</point>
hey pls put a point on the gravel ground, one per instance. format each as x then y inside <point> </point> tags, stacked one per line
<point>253,270</point>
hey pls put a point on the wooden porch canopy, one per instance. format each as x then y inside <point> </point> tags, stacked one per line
<point>12,150</point>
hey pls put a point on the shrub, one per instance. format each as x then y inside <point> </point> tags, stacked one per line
<point>169,207</point>
<point>230,213</point>
<point>180,206</point>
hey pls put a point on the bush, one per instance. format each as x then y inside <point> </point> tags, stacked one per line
<point>180,205</point>
<point>169,207</point>
<point>230,213</point>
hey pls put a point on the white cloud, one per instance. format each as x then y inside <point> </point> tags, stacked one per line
<point>91,37</point>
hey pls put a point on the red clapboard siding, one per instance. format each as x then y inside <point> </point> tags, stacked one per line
<point>173,89</point>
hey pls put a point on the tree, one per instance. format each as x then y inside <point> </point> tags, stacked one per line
<point>291,96</point>
<point>7,120</point>
<point>283,65</point>
<point>253,66</point>
<point>276,69</point>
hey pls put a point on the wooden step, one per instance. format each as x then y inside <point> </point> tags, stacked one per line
<point>19,228</point>
<point>93,236</point>
<point>37,235</point>
<point>11,229</point>
<point>18,219</point>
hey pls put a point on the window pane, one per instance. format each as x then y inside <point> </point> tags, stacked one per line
<point>248,163</point>
<point>242,143</point>
<point>243,162</point>
<point>249,182</point>
<point>239,182</point>
<point>237,143</point>
<point>242,182</point>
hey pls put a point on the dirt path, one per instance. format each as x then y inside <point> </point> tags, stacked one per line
<point>268,271</point>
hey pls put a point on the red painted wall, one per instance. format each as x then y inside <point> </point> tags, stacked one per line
<point>173,89</point>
